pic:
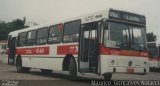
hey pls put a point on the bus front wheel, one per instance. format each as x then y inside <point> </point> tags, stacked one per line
<point>72,69</point>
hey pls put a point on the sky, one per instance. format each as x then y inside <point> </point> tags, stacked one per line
<point>43,11</point>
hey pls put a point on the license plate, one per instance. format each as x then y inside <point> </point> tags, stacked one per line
<point>130,70</point>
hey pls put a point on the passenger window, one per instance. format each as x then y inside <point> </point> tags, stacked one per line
<point>71,31</point>
<point>55,34</point>
<point>31,37</point>
<point>42,36</point>
<point>21,39</point>
<point>4,46</point>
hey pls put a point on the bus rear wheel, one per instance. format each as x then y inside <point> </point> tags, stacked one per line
<point>107,76</point>
<point>20,68</point>
<point>72,69</point>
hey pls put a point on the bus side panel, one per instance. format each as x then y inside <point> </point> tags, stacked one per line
<point>53,61</point>
<point>43,63</point>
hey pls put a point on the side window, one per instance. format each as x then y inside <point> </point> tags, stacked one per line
<point>4,46</point>
<point>42,36</point>
<point>22,39</point>
<point>31,37</point>
<point>71,31</point>
<point>55,34</point>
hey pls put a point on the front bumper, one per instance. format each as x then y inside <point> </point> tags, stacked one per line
<point>131,70</point>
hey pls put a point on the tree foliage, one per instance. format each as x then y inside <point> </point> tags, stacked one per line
<point>151,37</point>
<point>5,28</point>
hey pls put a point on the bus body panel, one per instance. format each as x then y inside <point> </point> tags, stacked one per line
<point>42,63</point>
<point>36,57</point>
<point>121,64</point>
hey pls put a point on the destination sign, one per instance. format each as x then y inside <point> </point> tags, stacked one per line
<point>126,16</point>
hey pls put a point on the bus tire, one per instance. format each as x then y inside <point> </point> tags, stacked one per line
<point>107,76</point>
<point>19,66</point>
<point>72,69</point>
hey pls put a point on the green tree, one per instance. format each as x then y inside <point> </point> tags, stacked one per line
<point>151,37</point>
<point>3,31</point>
<point>5,28</point>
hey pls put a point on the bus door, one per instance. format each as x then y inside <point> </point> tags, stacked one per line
<point>88,47</point>
<point>12,49</point>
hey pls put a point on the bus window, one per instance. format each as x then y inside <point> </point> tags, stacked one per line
<point>4,46</point>
<point>31,37</point>
<point>42,35</point>
<point>21,39</point>
<point>55,34</point>
<point>71,31</point>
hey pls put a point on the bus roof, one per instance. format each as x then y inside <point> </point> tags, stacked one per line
<point>95,16</point>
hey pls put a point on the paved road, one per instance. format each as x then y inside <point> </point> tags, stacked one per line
<point>8,72</point>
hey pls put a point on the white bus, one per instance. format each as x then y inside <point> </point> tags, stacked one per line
<point>154,56</point>
<point>105,42</point>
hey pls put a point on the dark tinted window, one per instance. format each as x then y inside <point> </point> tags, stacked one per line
<point>72,27</point>
<point>22,39</point>
<point>31,37</point>
<point>55,33</point>
<point>42,35</point>
<point>71,31</point>
<point>4,46</point>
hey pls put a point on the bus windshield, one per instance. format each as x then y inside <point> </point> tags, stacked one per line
<point>124,36</point>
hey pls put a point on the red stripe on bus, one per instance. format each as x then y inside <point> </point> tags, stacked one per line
<point>67,49</point>
<point>73,49</point>
<point>109,51</point>
<point>33,51</point>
